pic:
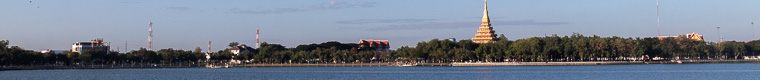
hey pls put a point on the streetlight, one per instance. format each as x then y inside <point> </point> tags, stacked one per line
<point>720,39</point>
<point>754,31</point>
<point>720,36</point>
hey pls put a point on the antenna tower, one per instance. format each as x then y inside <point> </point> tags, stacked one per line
<point>659,32</point>
<point>150,35</point>
<point>258,39</point>
<point>209,47</point>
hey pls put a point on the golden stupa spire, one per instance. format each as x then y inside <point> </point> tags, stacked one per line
<point>486,18</point>
<point>485,32</point>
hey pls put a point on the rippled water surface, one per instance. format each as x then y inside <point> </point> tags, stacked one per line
<point>601,72</point>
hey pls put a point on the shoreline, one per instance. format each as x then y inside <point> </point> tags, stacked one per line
<point>57,67</point>
<point>464,64</point>
<point>581,63</point>
<point>548,63</point>
<point>318,65</point>
<point>455,64</point>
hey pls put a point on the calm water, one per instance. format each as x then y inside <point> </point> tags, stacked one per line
<point>602,72</point>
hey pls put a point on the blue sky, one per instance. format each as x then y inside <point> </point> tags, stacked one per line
<point>186,24</point>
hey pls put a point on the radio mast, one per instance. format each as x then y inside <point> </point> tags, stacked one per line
<point>150,35</point>
<point>209,47</point>
<point>659,32</point>
<point>258,39</point>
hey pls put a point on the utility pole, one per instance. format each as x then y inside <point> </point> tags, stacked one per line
<point>720,35</point>
<point>720,40</point>
<point>754,31</point>
<point>126,45</point>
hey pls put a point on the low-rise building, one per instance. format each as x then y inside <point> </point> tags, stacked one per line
<point>374,44</point>
<point>96,44</point>
<point>691,36</point>
<point>237,49</point>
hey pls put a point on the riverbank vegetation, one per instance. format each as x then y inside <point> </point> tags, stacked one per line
<point>578,48</point>
<point>575,47</point>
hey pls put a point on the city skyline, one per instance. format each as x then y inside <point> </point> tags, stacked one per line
<point>42,24</point>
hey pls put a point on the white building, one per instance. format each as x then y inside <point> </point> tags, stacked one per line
<point>237,49</point>
<point>96,44</point>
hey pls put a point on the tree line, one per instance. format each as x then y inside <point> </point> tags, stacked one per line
<point>328,52</point>
<point>575,47</point>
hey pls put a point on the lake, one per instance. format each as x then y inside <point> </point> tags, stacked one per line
<point>598,72</point>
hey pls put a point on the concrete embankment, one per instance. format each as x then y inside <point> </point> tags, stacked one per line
<point>601,63</point>
<point>35,67</point>
<point>704,61</point>
<point>505,63</point>
<point>317,65</point>
<point>546,63</point>
<point>446,64</point>
<point>433,64</point>
<point>43,67</point>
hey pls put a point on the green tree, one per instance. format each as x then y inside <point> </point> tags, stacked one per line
<point>143,56</point>
<point>233,44</point>
<point>199,55</point>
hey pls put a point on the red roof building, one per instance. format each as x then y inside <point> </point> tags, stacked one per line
<point>374,44</point>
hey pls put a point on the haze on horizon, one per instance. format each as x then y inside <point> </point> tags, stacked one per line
<point>186,24</point>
